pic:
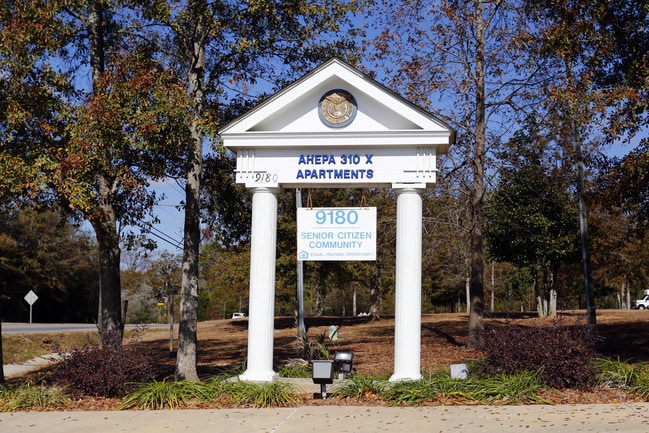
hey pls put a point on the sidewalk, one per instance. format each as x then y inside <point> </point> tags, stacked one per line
<point>628,418</point>
<point>35,364</point>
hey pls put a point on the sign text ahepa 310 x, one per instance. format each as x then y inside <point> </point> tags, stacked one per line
<point>342,233</point>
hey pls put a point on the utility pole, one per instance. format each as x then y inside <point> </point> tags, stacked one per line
<point>300,279</point>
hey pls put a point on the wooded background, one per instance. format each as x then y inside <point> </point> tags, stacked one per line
<point>542,202</point>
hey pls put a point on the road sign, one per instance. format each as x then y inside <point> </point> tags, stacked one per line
<point>31,297</point>
<point>329,234</point>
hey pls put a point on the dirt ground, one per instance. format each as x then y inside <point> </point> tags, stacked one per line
<point>223,345</point>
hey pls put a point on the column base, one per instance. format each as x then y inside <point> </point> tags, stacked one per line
<point>405,378</point>
<point>259,376</point>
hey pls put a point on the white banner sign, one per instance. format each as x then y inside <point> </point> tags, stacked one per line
<point>331,167</point>
<point>347,234</point>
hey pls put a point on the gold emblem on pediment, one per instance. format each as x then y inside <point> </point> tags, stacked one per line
<point>337,108</point>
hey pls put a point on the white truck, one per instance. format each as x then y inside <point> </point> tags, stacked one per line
<point>642,304</point>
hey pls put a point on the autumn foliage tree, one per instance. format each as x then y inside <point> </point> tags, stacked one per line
<point>91,146</point>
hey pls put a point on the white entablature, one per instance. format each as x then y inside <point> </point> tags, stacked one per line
<point>336,127</point>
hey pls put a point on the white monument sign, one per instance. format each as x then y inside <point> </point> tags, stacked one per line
<point>329,234</point>
<point>336,128</point>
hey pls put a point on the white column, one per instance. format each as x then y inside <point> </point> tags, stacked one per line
<point>407,314</point>
<point>262,286</point>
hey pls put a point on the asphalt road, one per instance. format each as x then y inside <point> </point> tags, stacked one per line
<point>38,328</point>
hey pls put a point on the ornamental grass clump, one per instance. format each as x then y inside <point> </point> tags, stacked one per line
<point>296,368</point>
<point>29,396</point>
<point>613,373</point>
<point>439,387</point>
<point>164,394</point>
<point>518,388</point>
<point>359,388</point>
<point>640,387</point>
<point>268,394</point>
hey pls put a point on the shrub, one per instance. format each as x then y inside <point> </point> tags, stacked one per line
<point>562,353</point>
<point>435,386</point>
<point>106,371</point>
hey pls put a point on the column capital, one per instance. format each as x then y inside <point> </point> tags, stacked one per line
<point>269,189</point>
<point>409,189</point>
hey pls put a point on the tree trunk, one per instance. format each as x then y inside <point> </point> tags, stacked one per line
<point>2,370</point>
<point>95,27</point>
<point>105,226</point>
<point>467,289</point>
<point>187,332</point>
<point>319,300</point>
<point>493,289</point>
<point>187,335</point>
<point>540,310</point>
<point>591,313</point>
<point>552,309</point>
<point>476,310</point>
<point>375,292</point>
<point>552,291</point>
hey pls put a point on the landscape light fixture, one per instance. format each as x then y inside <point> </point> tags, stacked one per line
<point>322,373</point>
<point>343,363</point>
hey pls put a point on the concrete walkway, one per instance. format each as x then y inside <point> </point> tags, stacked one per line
<point>35,364</point>
<point>629,418</point>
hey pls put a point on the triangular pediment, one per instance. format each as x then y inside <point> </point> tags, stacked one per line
<point>294,116</point>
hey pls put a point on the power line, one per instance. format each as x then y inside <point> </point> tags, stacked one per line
<point>165,237</point>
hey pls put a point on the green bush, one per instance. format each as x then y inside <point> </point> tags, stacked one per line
<point>519,388</point>
<point>175,394</point>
